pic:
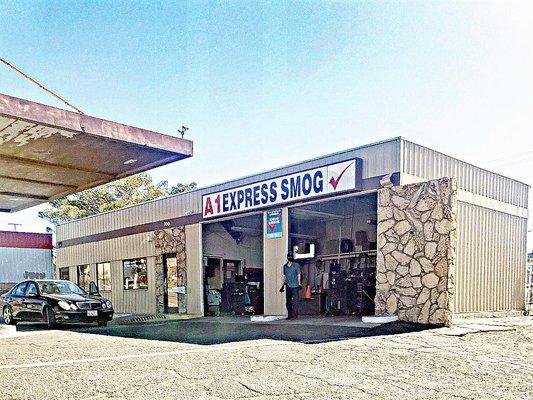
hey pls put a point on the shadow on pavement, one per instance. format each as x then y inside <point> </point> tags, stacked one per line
<point>212,332</point>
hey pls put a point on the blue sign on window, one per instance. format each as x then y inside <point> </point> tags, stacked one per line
<point>274,227</point>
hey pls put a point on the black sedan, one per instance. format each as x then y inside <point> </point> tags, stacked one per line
<point>54,301</point>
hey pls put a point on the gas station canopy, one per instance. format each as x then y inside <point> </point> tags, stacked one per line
<point>47,152</point>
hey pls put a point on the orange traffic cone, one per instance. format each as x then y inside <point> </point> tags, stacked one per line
<point>307,294</point>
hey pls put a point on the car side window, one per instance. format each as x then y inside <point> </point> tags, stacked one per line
<point>31,289</point>
<point>20,289</point>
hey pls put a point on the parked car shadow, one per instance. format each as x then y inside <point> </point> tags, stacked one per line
<point>208,332</point>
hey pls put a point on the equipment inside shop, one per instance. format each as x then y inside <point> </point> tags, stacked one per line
<point>233,266</point>
<point>335,244</point>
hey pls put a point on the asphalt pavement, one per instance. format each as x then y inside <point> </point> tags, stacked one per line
<point>202,359</point>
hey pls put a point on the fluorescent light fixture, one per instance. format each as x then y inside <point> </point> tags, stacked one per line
<point>302,236</point>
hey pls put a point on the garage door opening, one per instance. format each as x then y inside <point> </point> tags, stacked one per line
<point>233,266</point>
<point>335,244</point>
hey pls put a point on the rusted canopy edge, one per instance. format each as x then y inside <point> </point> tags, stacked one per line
<point>13,107</point>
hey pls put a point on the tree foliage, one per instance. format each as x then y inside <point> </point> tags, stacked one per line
<point>112,196</point>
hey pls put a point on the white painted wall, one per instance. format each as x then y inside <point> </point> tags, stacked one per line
<point>220,244</point>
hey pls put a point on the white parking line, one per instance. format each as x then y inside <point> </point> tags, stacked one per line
<point>134,356</point>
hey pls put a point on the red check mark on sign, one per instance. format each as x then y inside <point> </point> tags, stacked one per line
<point>335,182</point>
<point>271,227</point>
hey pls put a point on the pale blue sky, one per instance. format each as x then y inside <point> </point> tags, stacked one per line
<point>263,84</point>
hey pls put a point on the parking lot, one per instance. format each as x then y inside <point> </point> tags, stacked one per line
<point>245,361</point>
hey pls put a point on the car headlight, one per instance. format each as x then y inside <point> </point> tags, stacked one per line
<point>64,305</point>
<point>73,307</point>
<point>108,304</point>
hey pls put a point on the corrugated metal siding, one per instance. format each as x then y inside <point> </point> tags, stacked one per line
<point>426,163</point>
<point>491,260</point>
<point>132,301</point>
<point>378,159</point>
<point>114,251</point>
<point>16,262</point>
<point>125,247</point>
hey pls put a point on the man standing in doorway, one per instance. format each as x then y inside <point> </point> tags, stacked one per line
<point>292,279</point>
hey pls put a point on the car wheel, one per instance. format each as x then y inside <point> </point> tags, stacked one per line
<point>102,323</point>
<point>50,318</point>
<point>7,314</point>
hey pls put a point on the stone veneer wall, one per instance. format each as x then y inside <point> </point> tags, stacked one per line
<point>169,241</point>
<point>416,251</point>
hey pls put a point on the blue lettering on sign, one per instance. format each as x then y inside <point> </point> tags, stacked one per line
<point>307,184</point>
<point>264,193</point>
<point>256,195</point>
<point>248,197</point>
<point>225,202</point>
<point>285,189</point>
<point>318,183</point>
<point>240,198</point>
<point>273,192</point>
<point>232,205</point>
<point>295,186</point>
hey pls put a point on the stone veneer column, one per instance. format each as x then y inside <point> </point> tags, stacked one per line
<point>416,251</point>
<point>169,241</point>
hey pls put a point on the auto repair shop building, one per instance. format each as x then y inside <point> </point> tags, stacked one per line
<point>389,228</point>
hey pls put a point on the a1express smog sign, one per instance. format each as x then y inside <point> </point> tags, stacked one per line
<point>321,181</point>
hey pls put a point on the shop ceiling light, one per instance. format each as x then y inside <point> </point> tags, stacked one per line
<point>302,236</point>
<point>302,213</point>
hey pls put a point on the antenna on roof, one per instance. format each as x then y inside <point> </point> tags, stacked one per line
<point>39,85</point>
<point>14,225</point>
<point>183,130</point>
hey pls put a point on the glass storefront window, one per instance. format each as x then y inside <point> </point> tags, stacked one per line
<point>64,274</point>
<point>103,272</point>
<point>135,274</point>
<point>84,276</point>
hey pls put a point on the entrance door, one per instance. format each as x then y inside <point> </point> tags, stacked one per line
<point>172,284</point>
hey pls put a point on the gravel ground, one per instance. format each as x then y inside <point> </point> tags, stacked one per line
<point>432,364</point>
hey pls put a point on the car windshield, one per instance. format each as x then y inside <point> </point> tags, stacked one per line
<point>59,287</point>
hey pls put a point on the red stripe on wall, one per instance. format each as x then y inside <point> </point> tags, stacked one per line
<point>25,240</point>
